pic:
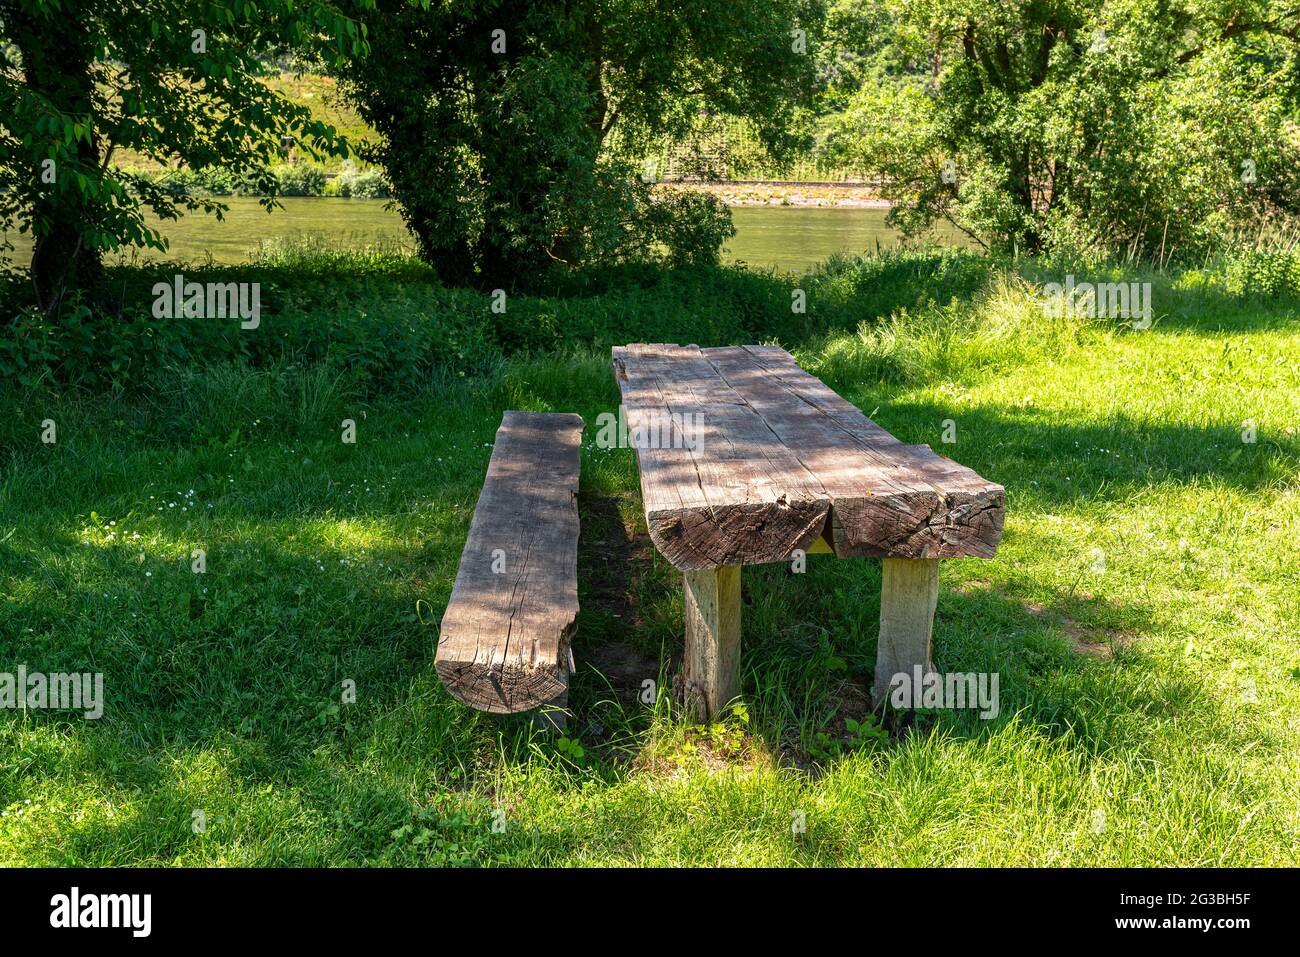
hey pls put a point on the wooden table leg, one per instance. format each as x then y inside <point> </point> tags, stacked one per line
<point>553,716</point>
<point>908,596</point>
<point>712,665</point>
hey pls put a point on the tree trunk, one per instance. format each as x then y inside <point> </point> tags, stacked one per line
<point>56,52</point>
<point>61,263</point>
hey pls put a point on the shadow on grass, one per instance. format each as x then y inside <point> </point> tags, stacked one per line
<point>1063,660</point>
<point>345,781</point>
<point>253,672</point>
<point>1050,463</point>
<point>809,652</point>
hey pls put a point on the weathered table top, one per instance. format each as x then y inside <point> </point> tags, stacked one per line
<point>746,458</point>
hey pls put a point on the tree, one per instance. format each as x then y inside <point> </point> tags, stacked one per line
<point>510,128</point>
<point>1121,127</point>
<point>175,81</point>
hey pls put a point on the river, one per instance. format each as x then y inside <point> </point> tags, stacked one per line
<point>787,238</point>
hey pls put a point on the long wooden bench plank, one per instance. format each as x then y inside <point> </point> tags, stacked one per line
<point>504,640</point>
<point>783,460</point>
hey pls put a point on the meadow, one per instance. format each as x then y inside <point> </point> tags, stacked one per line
<point>1141,612</point>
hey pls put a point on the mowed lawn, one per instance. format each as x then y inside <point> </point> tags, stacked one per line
<point>1142,613</point>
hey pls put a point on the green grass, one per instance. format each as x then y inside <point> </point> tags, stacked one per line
<point>1142,613</point>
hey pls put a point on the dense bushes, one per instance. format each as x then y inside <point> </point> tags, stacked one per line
<point>385,320</point>
<point>366,184</point>
<point>1263,273</point>
<point>210,182</point>
<point>288,179</point>
<point>385,316</point>
<point>299,179</point>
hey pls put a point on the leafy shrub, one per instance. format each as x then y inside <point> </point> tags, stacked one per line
<point>1263,273</point>
<point>204,182</point>
<point>381,315</point>
<point>366,184</point>
<point>300,179</point>
<point>83,346</point>
<point>689,227</point>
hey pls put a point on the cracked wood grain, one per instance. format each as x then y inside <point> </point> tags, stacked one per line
<point>503,645</point>
<point>783,460</point>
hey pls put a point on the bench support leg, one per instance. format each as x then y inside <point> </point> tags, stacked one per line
<point>552,716</point>
<point>908,596</point>
<point>712,665</point>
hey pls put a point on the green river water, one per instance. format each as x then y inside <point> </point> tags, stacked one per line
<point>786,238</point>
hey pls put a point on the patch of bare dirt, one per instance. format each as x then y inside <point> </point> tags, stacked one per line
<point>1097,643</point>
<point>624,666</point>
<point>613,555</point>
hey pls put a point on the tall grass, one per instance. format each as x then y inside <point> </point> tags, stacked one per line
<point>379,316</point>
<point>1003,326</point>
<point>1122,683</point>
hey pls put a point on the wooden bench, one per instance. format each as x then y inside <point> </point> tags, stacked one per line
<point>764,461</point>
<point>503,645</point>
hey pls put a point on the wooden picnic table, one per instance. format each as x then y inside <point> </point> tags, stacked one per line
<point>745,459</point>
